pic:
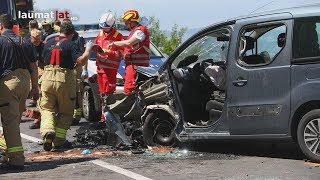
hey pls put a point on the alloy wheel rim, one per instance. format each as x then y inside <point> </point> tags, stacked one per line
<point>312,136</point>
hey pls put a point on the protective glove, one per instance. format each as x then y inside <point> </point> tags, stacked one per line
<point>89,45</point>
<point>84,74</point>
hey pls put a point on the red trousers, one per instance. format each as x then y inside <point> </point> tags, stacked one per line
<point>107,81</point>
<point>129,79</point>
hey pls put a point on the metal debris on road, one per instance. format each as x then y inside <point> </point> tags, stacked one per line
<point>95,135</point>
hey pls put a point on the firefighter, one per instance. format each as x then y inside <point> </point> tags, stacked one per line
<point>108,60</point>
<point>136,48</point>
<point>79,74</point>
<point>17,62</point>
<point>48,29</point>
<point>58,86</point>
<point>35,39</point>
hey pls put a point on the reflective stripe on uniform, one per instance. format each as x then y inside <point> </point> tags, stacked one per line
<point>116,34</point>
<point>139,61</point>
<point>15,149</point>
<point>105,67</point>
<point>109,61</point>
<point>3,144</point>
<point>61,133</point>
<point>137,56</point>
<point>77,111</point>
<point>146,49</point>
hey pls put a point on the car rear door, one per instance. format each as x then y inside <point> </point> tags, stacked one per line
<point>258,82</point>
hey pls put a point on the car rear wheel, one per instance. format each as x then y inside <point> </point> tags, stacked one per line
<point>89,111</point>
<point>158,129</point>
<point>308,135</point>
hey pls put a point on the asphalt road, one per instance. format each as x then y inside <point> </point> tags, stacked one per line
<point>205,160</point>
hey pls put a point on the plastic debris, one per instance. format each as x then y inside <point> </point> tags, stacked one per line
<point>86,151</point>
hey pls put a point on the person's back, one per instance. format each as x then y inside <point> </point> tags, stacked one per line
<point>58,86</point>
<point>14,89</point>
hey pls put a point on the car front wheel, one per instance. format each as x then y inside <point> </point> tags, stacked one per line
<point>158,129</point>
<point>308,135</point>
<point>89,111</point>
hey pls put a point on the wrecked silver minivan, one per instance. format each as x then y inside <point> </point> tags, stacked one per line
<point>254,77</point>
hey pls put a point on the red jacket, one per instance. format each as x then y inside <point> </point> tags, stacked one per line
<point>110,60</point>
<point>138,54</point>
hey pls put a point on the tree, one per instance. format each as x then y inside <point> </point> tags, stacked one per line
<point>159,38</point>
<point>175,39</point>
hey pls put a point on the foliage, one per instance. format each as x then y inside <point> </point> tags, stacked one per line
<point>167,44</point>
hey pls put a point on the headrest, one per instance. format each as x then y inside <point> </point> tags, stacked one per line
<point>281,39</point>
<point>249,43</point>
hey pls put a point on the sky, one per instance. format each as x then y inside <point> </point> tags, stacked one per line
<point>184,13</point>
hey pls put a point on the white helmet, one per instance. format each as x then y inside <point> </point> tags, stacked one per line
<point>107,20</point>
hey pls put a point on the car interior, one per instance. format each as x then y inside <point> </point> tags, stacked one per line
<point>200,76</point>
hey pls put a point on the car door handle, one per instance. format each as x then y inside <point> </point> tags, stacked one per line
<point>239,82</point>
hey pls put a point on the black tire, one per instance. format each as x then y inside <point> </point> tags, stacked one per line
<point>88,108</point>
<point>308,133</point>
<point>158,130</point>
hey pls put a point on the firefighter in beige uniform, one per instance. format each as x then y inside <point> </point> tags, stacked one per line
<point>58,85</point>
<point>17,61</point>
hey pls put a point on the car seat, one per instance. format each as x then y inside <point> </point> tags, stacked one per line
<point>254,58</point>
<point>266,56</point>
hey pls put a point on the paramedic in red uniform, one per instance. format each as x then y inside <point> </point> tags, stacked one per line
<point>136,48</point>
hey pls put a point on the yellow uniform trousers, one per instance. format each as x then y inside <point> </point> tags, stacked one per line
<point>57,102</point>
<point>79,93</point>
<point>14,89</point>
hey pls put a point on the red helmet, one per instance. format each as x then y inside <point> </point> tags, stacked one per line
<point>131,15</point>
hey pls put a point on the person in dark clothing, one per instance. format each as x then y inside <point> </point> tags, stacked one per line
<point>17,62</point>
<point>48,29</point>
<point>58,86</point>
<point>38,45</point>
<point>33,24</point>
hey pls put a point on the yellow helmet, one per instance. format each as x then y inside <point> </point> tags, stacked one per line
<point>47,22</point>
<point>131,15</point>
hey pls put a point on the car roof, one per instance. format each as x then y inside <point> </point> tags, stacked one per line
<point>306,10</point>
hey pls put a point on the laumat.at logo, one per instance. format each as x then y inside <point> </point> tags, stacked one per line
<point>56,15</point>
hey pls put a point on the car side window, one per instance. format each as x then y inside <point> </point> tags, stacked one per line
<point>260,45</point>
<point>306,34</point>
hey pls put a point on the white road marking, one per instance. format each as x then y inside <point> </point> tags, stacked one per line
<point>97,162</point>
<point>30,138</point>
<point>119,170</point>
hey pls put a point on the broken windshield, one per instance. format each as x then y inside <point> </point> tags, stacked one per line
<point>212,46</point>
